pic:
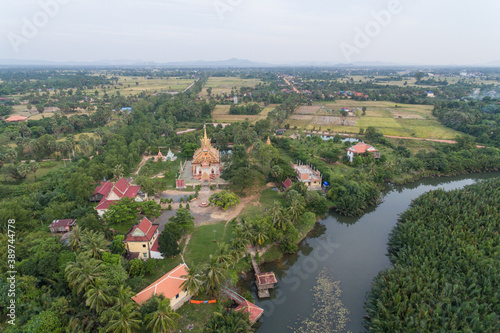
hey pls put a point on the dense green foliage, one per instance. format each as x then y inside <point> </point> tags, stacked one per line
<point>224,200</point>
<point>446,256</point>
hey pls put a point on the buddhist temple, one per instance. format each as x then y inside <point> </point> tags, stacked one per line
<point>206,161</point>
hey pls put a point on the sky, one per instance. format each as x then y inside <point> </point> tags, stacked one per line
<point>423,32</point>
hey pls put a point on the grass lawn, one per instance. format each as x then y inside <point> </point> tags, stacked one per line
<point>202,244</point>
<point>257,207</point>
<point>196,315</point>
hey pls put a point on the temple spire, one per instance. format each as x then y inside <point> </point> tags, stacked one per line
<point>205,142</point>
<point>268,142</point>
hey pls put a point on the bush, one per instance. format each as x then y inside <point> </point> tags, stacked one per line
<point>187,206</point>
<point>169,207</point>
<point>180,205</point>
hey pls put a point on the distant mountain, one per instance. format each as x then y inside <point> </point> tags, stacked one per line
<point>231,63</point>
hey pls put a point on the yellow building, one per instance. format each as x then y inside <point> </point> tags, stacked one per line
<point>142,241</point>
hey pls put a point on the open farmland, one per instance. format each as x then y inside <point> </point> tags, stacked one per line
<point>128,85</point>
<point>221,85</point>
<point>312,109</point>
<point>221,114</point>
<point>404,120</point>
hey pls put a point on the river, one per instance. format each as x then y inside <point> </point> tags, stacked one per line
<point>354,251</point>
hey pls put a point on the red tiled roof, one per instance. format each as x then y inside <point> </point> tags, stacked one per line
<point>121,185</point>
<point>105,203</point>
<point>169,285</point>
<point>148,229</point>
<point>16,118</point>
<point>266,278</point>
<point>132,191</point>
<point>287,183</point>
<point>253,310</point>
<point>145,225</point>
<point>62,223</point>
<point>104,189</point>
<point>122,189</point>
<point>155,247</point>
<point>361,148</point>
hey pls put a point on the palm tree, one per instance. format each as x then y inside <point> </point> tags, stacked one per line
<point>75,240</point>
<point>126,320</point>
<point>232,321</point>
<point>34,166</point>
<point>259,233</point>
<point>244,231</point>
<point>279,221</point>
<point>82,272</point>
<point>295,210</point>
<point>193,280</point>
<point>163,319</point>
<point>276,171</point>
<point>214,273</point>
<point>97,295</point>
<point>223,254</point>
<point>123,298</point>
<point>118,171</point>
<point>94,243</point>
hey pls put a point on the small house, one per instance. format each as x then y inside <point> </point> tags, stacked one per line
<point>361,148</point>
<point>62,226</point>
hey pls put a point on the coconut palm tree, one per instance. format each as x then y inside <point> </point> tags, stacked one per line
<point>74,239</point>
<point>125,320</point>
<point>82,272</point>
<point>94,243</point>
<point>295,210</point>
<point>193,280</point>
<point>232,321</point>
<point>260,233</point>
<point>123,298</point>
<point>97,295</point>
<point>279,220</point>
<point>244,232</point>
<point>223,254</point>
<point>214,273</point>
<point>163,320</point>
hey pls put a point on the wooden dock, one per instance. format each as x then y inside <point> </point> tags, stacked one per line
<point>264,281</point>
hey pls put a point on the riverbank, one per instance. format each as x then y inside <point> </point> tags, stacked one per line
<point>354,248</point>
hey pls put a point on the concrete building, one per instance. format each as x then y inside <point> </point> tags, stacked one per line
<point>305,174</point>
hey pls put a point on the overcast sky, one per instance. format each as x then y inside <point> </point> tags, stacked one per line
<point>442,32</point>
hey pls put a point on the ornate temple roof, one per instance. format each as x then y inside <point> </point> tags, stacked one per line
<point>207,153</point>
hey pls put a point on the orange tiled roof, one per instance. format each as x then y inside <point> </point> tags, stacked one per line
<point>361,148</point>
<point>169,285</point>
<point>253,310</point>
